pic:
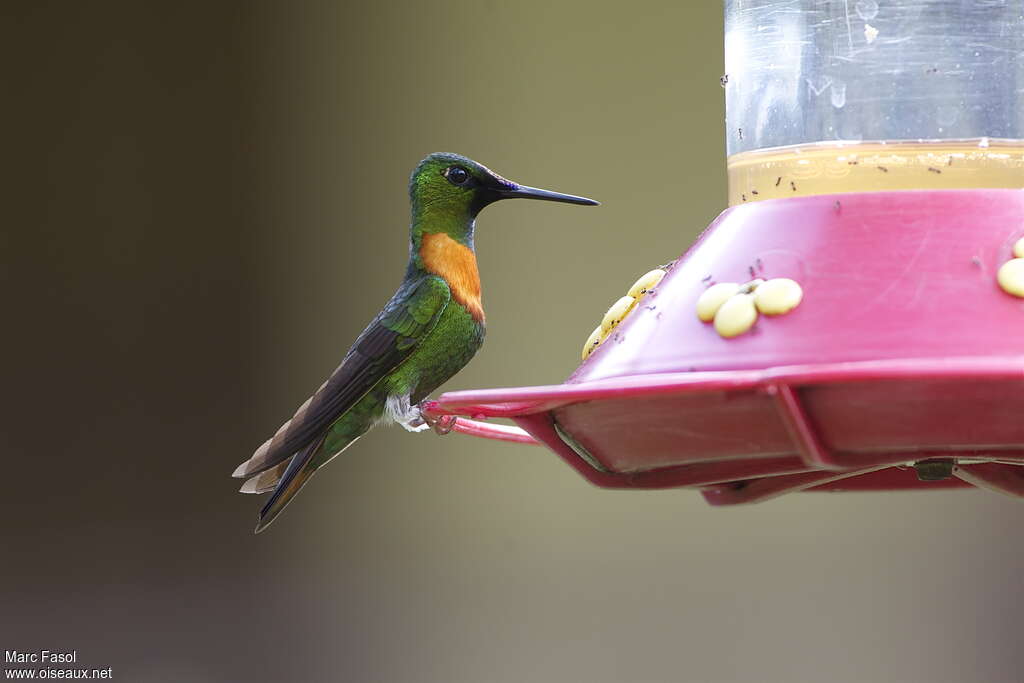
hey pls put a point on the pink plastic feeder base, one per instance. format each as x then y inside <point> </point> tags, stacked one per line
<point>903,349</point>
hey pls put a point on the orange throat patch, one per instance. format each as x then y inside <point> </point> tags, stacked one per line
<point>456,264</point>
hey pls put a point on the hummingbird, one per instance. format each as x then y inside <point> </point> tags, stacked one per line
<point>427,332</point>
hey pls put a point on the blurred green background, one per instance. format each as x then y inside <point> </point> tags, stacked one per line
<point>206,202</point>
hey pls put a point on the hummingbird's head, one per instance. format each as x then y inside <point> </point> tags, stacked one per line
<point>452,184</point>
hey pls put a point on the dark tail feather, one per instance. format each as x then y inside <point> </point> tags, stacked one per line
<point>299,471</point>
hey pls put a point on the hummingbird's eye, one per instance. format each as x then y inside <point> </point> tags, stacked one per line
<point>456,175</point>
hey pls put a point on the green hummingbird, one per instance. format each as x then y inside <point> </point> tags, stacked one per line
<point>427,332</point>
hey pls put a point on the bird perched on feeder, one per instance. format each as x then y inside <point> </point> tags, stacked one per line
<point>427,332</point>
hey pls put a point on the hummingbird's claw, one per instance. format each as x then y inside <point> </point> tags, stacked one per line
<point>441,424</point>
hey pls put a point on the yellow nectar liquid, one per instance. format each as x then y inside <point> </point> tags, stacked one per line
<point>827,168</point>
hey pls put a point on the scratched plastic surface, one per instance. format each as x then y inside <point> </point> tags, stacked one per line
<point>886,276</point>
<point>806,71</point>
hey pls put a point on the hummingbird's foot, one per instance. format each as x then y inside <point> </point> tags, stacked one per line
<point>441,424</point>
<point>409,416</point>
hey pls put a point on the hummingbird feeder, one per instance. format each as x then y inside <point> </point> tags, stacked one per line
<point>855,319</point>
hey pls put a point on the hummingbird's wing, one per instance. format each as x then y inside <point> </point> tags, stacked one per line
<point>386,342</point>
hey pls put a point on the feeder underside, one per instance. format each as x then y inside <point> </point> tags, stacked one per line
<point>746,436</point>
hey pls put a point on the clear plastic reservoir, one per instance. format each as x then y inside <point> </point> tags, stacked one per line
<point>858,95</point>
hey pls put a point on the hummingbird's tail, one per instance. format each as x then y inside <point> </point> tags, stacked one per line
<point>300,470</point>
<point>265,481</point>
<point>287,479</point>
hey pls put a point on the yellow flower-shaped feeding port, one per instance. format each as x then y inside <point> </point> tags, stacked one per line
<point>737,315</point>
<point>734,308</point>
<point>1011,274</point>
<point>713,298</point>
<point>647,282</point>
<point>778,296</point>
<point>1011,277</point>
<point>621,308</point>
